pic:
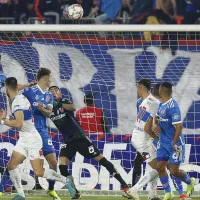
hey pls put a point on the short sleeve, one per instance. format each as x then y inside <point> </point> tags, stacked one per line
<point>28,93</point>
<point>153,109</point>
<point>175,115</point>
<point>17,105</point>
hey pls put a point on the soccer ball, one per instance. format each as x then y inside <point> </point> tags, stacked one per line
<point>75,11</point>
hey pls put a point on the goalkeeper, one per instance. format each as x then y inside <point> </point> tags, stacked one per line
<point>75,139</point>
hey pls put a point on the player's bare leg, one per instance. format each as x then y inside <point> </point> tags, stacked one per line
<point>182,175</point>
<point>110,167</point>
<point>51,159</point>
<point>63,166</point>
<point>15,160</point>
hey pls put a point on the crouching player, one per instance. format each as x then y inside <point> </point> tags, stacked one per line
<point>75,139</point>
<point>29,144</point>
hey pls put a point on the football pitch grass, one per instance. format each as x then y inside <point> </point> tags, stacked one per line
<point>66,197</point>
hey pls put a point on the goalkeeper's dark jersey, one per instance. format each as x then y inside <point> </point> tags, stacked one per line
<point>66,122</point>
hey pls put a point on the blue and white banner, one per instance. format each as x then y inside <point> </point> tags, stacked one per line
<point>111,70</point>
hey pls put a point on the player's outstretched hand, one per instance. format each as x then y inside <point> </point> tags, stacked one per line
<point>156,129</point>
<point>31,84</point>
<point>175,147</point>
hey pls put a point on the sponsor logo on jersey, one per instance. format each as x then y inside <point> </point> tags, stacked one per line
<point>163,112</point>
<point>176,116</point>
<point>47,98</point>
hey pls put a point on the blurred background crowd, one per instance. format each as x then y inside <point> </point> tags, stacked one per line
<point>101,11</point>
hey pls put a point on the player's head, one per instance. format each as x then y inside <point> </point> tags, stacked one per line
<point>44,76</point>
<point>56,92</point>
<point>165,89</point>
<point>89,99</point>
<point>155,90</point>
<point>144,85</point>
<point>11,86</point>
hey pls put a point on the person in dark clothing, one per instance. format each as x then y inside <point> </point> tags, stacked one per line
<point>75,139</point>
<point>42,6</point>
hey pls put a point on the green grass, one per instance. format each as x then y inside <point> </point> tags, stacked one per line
<point>64,197</point>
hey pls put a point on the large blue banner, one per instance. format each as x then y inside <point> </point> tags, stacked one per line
<point>110,69</point>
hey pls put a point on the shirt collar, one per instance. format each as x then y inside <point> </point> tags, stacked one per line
<point>167,101</point>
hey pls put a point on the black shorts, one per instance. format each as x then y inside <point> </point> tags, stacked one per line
<point>83,145</point>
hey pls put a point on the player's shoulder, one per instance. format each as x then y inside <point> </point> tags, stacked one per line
<point>139,100</point>
<point>172,103</point>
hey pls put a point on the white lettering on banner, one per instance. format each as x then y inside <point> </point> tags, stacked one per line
<point>82,68</point>
<point>9,64</point>
<point>93,177</point>
<point>186,90</point>
<point>125,88</point>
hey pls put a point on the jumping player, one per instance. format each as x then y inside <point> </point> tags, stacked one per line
<point>75,139</point>
<point>42,104</point>
<point>29,144</point>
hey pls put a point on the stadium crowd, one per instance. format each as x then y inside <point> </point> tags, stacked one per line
<point>101,11</point>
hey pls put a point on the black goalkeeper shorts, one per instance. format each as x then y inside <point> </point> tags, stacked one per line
<point>83,145</point>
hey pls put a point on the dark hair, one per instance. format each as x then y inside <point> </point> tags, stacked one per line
<point>54,86</point>
<point>168,86</point>
<point>11,83</point>
<point>146,83</point>
<point>155,90</point>
<point>43,72</point>
<point>89,99</point>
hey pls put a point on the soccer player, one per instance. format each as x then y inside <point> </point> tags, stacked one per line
<point>75,139</point>
<point>171,142</point>
<point>42,104</point>
<point>29,144</point>
<point>153,174</point>
<point>91,118</point>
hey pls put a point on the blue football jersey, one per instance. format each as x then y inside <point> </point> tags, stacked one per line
<point>169,114</point>
<point>35,94</point>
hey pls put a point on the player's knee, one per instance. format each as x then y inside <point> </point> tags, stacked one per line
<point>173,171</point>
<point>53,164</point>
<point>11,166</point>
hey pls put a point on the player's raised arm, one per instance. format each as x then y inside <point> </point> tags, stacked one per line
<point>21,86</point>
<point>45,110</point>
<point>17,122</point>
<point>65,103</point>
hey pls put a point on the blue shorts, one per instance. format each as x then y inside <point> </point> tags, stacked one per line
<point>48,147</point>
<point>165,152</point>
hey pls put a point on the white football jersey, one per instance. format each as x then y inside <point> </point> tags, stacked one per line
<point>20,102</point>
<point>147,108</point>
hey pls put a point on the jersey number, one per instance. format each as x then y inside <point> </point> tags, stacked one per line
<point>141,113</point>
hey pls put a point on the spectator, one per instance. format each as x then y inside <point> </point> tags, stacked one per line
<point>42,6</point>
<point>91,118</point>
<point>6,8</point>
<point>110,9</point>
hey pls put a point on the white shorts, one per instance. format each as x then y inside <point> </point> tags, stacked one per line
<point>144,146</point>
<point>30,147</point>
